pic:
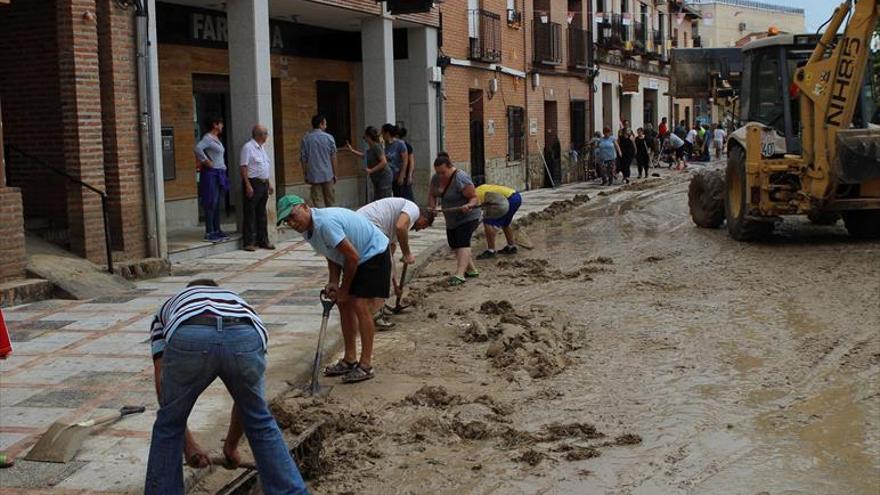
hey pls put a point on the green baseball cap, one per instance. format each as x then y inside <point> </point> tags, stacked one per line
<point>286,204</point>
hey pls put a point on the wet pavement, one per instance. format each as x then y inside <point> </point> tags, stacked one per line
<point>743,368</point>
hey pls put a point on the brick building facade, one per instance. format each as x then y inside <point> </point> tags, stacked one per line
<point>519,91</point>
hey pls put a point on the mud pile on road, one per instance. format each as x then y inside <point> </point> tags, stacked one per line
<point>372,430</point>
<point>555,209</point>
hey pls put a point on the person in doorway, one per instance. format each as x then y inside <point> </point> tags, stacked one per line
<point>398,160</point>
<point>663,129</point>
<point>626,143</point>
<point>690,142</point>
<point>255,167</point>
<point>719,140</point>
<point>317,154</point>
<point>643,156</point>
<point>395,217</point>
<point>607,151</point>
<point>202,333</point>
<point>377,165</point>
<point>514,201</point>
<point>357,251</point>
<point>213,182</point>
<point>410,165</point>
<point>454,190</point>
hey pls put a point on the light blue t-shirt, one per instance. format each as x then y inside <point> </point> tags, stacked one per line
<point>606,150</point>
<point>332,225</point>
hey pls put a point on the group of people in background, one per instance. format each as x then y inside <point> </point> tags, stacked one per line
<point>613,155</point>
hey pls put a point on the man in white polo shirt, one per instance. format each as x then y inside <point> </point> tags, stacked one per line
<point>255,165</point>
<point>395,217</point>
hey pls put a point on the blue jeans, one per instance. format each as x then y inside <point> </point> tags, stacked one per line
<point>193,357</point>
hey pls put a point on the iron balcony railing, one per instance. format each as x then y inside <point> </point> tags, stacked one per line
<point>39,162</point>
<point>621,30</point>
<point>640,36</point>
<point>605,35</point>
<point>659,42</point>
<point>578,40</point>
<point>548,42</point>
<point>485,46</point>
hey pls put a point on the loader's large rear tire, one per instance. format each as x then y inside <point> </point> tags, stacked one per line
<point>864,224</point>
<point>740,225</point>
<point>823,217</point>
<point>706,199</point>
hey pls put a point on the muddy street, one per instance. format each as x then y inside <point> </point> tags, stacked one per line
<point>626,352</point>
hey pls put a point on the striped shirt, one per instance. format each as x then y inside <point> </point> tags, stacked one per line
<point>195,301</point>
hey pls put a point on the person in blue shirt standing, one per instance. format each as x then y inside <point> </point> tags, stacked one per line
<point>357,251</point>
<point>317,154</point>
<point>607,153</point>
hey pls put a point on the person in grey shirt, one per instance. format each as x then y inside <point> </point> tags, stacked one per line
<point>454,190</point>
<point>318,157</point>
<point>213,182</point>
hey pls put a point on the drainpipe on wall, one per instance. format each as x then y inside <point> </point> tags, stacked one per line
<point>145,98</point>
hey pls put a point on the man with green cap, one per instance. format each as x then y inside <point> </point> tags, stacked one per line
<point>357,252</point>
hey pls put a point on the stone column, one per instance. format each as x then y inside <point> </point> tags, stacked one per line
<point>378,70</point>
<point>422,105</point>
<point>250,84</point>
<point>80,97</point>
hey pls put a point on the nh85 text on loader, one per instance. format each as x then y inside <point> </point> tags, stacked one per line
<point>809,147</point>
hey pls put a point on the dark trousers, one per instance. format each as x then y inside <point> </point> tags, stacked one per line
<point>623,165</point>
<point>642,162</point>
<point>255,223</point>
<point>405,191</point>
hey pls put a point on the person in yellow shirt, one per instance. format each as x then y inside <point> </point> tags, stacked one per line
<point>514,201</point>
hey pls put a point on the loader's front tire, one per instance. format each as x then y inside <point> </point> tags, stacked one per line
<point>864,224</point>
<point>706,199</point>
<point>823,217</point>
<point>740,225</point>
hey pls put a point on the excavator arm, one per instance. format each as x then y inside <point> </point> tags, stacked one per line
<point>829,85</point>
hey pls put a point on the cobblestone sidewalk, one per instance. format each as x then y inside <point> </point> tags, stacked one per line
<point>78,359</point>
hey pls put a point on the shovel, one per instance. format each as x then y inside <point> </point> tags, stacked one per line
<point>62,440</point>
<point>397,306</point>
<point>494,206</point>
<point>315,388</point>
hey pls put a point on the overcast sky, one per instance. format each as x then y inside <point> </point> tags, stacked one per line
<point>817,11</point>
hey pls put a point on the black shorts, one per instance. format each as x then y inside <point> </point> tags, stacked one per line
<point>460,237</point>
<point>373,277</point>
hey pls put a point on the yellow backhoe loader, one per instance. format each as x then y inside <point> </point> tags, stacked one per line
<point>809,146</point>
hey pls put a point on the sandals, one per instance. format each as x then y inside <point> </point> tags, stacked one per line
<point>472,274</point>
<point>455,280</point>
<point>342,367</point>
<point>358,374</point>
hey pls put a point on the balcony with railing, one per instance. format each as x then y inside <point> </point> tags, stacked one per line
<point>548,42</point>
<point>578,40</point>
<point>621,30</point>
<point>605,35</point>
<point>640,37</point>
<point>658,46</point>
<point>485,41</point>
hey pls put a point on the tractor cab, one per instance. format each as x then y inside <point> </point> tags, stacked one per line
<point>769,96</point>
